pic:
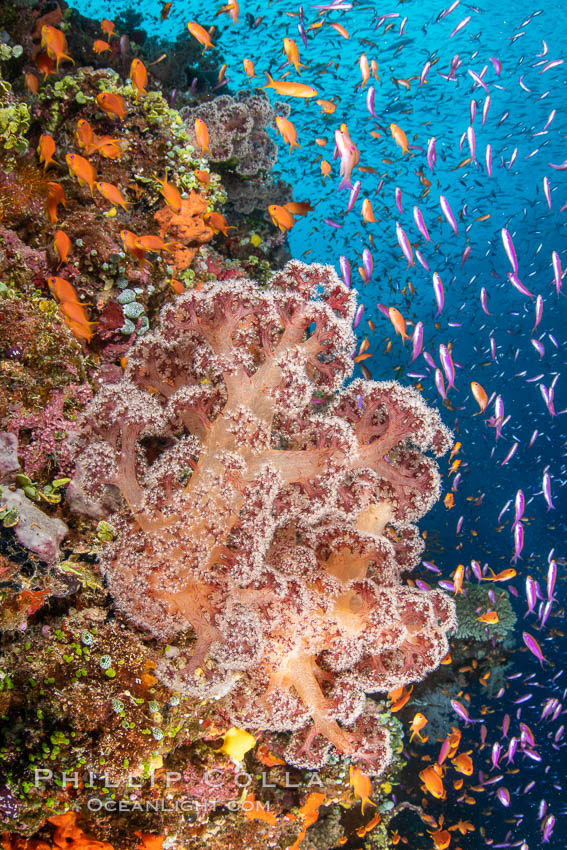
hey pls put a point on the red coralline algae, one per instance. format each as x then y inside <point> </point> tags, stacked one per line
<point>269,510</point>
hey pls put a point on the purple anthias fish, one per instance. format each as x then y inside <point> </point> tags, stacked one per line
<point>420,223</point>
<point>546,490</point>
<point>398,198</point>
<point>447,212</point>
<point>447,365</point>
<point>431,154</point>
<point>519,505</point>
<point>417,341</point>
<point>439,293</point>
<point>459,709</point>
<point>533,647</point>
<point>404,244</point>
<point>488,159</point>
<point>510,454</point>
<point>509,248</point>
<point>421,259</point>
<point>440,384</point>
<point>368,263</point>
<point>353,195</point>
<point>547,827</point>
<point>512,747</point>
<point>518,541</point>
<point>345,271</point>
<point>370,94</point>
<point>517,284</point>
<point>429,360</point>
<point>531,595</point>
<point>503,796</point>
<point>538,311</point>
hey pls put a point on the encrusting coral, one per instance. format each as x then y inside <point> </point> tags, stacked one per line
<point>186,227</point>
<point>269,510</point>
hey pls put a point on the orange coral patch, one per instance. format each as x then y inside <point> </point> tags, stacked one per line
<point>186,227</point>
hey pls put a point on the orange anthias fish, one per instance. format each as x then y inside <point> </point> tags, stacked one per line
<point>299,207</point>
<point>431,778</point>
<point>165,9</point>
<point>129,241</point>
<point>84,135</point>
<point>368,212</point>
<point>325,168</point>
<point>281,217</point>
<point>480,396</point>
<point>113,104</point>
<point>327,106</point>
<point>201,34</point>
<point>44,64</point>
<point>418,723</point>
<point>32,82</point>
<point>291,50</point>
<point>398,322</point>
<point>490,618</point>
<point>289,88</point>
<point>364,69</point>
<point>55,196</point>
<point>449,501</point>
<point>155,244</point>
<point>361,785</point>
<point>463,763</point>
<point>107,147</point>
<point>341,30</point>
<point>171,194</point>
<point>55,43</point>
<point>458,577</point>
<point>73,311</point>
<point>113,194</point>
<point>202,135</point>
<point>288,131</point>
<point>400,137</point>
<point>80,328</point>
<point>62,245</point>
<point>62,289</point>
<point>46,149</point>
<point>249,68</point>
<point>217,222</point>
<point>203,177</point>
<point>441,839</point>
<point>107,28</point>
<point>99,46</point>
<point>455,450</point>
<point>231,8</point>
<point>504,575</point>
<point>139,77</point>
<point>81,168</point>
<point>400,697</point>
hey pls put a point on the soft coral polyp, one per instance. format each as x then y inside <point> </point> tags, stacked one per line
<point>269,510</point>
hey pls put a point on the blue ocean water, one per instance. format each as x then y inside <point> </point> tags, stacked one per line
<point>526,127</point>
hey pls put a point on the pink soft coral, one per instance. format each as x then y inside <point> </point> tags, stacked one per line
<point>275,530</point>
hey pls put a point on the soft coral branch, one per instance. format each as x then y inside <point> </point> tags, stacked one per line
<point>274,535</point>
